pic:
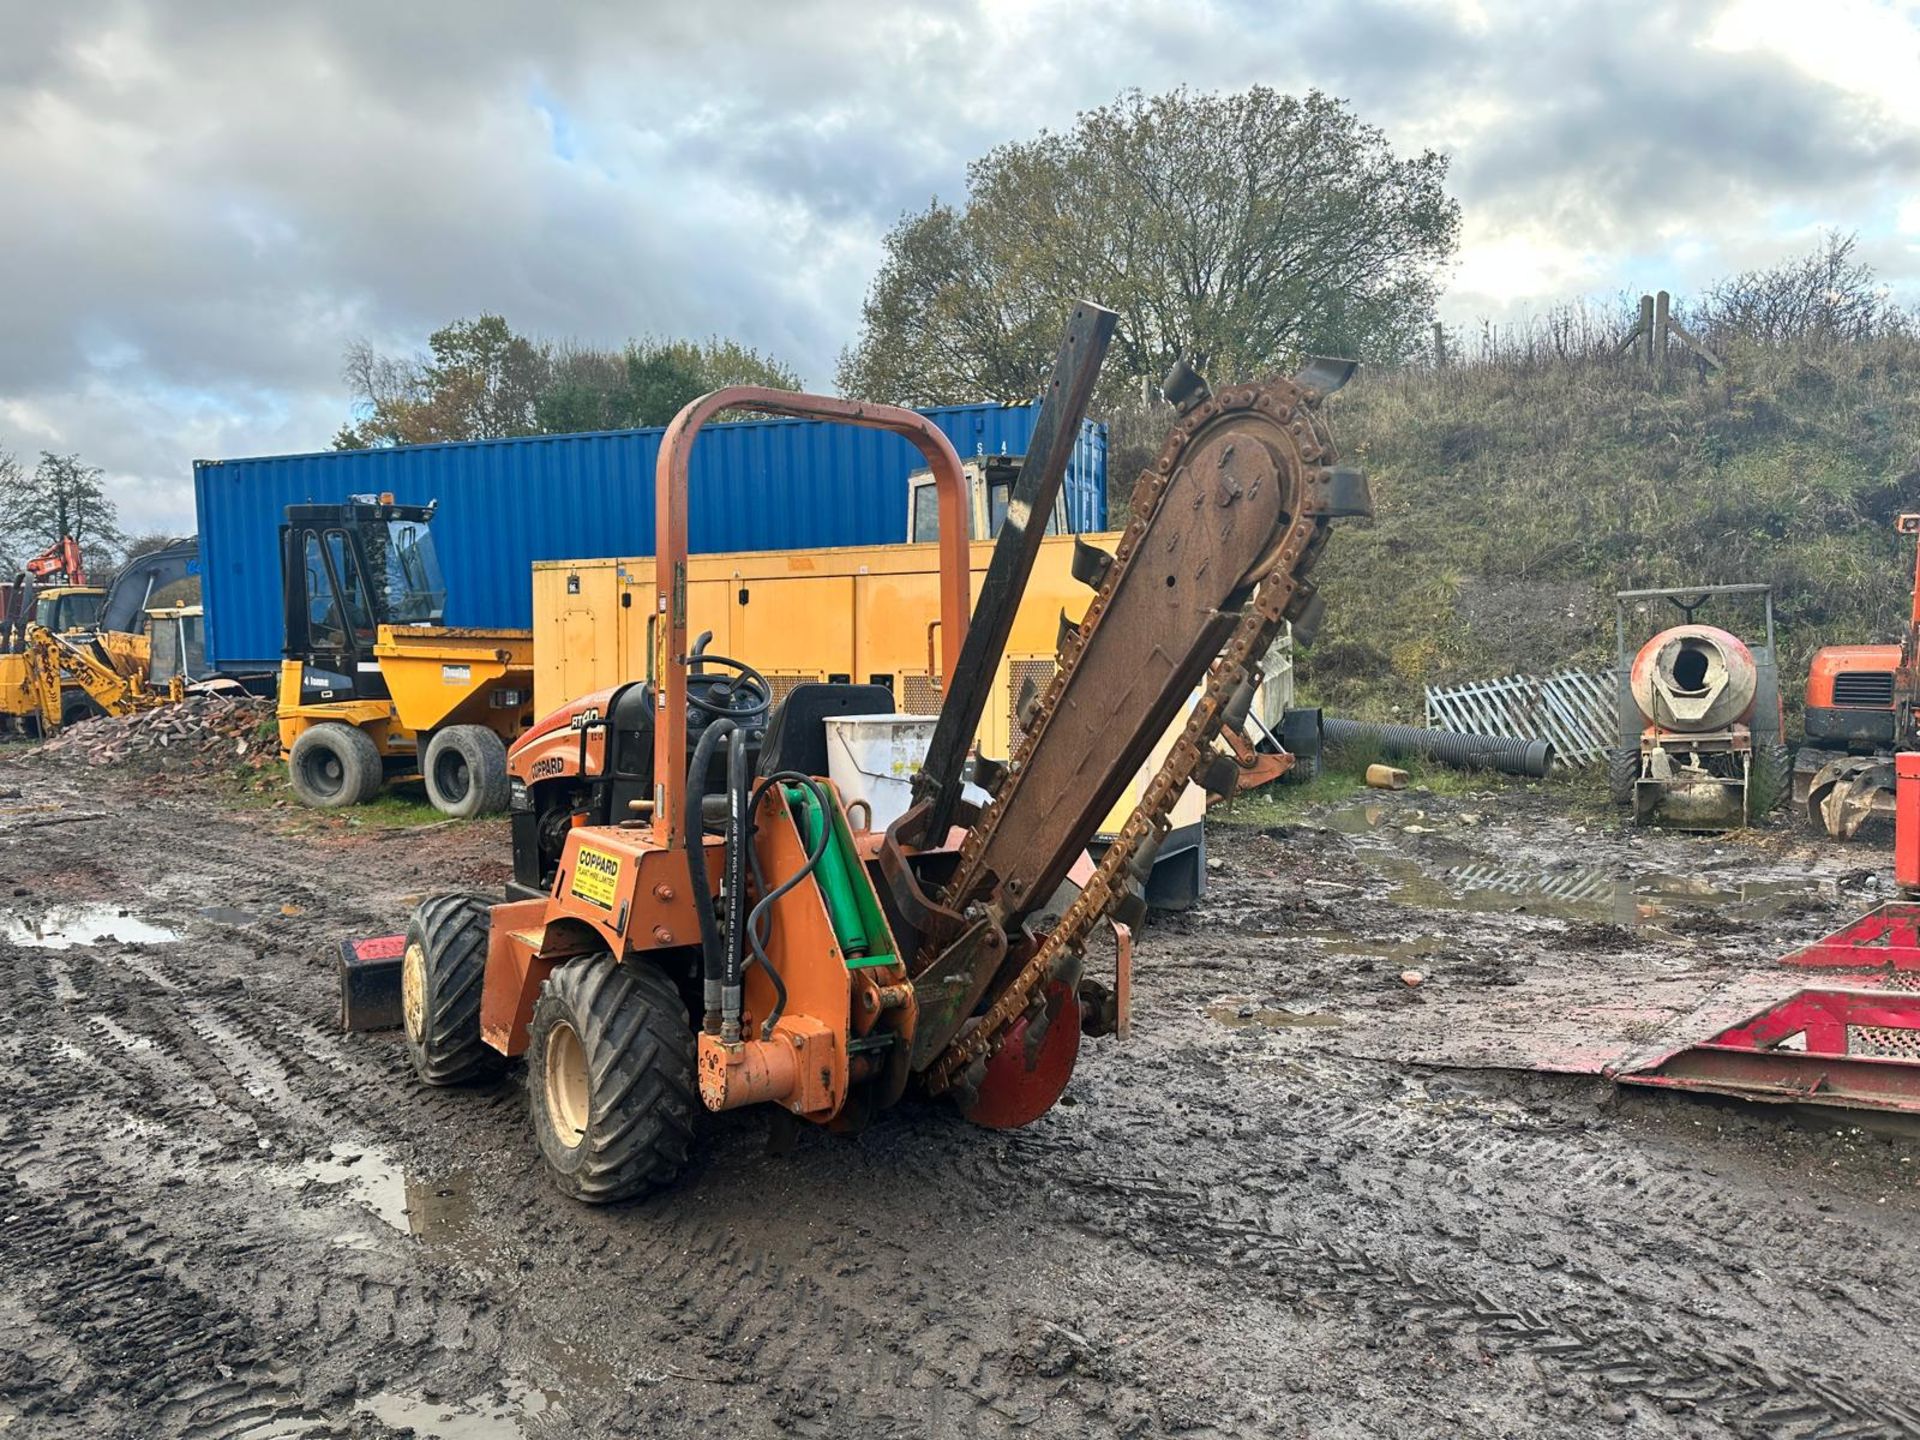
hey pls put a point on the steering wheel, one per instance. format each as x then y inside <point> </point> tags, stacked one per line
<point>718,701</point>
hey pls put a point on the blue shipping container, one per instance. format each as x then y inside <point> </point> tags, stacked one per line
<point>756,485</point>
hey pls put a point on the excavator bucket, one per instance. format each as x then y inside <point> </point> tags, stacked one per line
<point>1845,794</point>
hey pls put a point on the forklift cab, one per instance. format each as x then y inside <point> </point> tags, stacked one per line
<point>990,480</point>
<point>346,570</point>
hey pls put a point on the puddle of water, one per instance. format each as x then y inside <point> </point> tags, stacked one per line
<point>1339,942</point>
<point>1356,819</point>
<point>479,1418</point>
<point>434,1210</point>
<point>228,915</point>
<point>368,1178</point>
<point>61,927</point>
<point>1245,1015</point>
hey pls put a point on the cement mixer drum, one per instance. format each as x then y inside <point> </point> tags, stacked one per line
<point>1695,679</point>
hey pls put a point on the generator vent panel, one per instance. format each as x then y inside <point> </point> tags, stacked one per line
<point>1864,688</point>
<point>1019,672</point>
<point>782,681</point>
<point>919,694</point>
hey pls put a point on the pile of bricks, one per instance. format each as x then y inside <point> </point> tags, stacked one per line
<point>202,732</point>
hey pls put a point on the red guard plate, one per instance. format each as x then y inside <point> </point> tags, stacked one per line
<point>1023,1081</point>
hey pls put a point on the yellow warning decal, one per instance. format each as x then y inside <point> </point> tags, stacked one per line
<point>596,876</point>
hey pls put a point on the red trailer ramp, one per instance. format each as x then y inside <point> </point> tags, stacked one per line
<point>1850,1039</point>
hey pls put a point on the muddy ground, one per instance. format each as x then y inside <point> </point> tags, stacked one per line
<point>1259,1216</point>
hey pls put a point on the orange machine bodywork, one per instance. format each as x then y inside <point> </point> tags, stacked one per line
<point>807,1064</point>
<point>1854,719</point>
<point>1906,823</point>
<point>1832,661</point>
<point>624,887</point>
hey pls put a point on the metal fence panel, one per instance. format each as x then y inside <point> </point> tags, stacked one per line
<point>1573,709</point>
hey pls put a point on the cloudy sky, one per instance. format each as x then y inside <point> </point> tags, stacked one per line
<point>202,203</point>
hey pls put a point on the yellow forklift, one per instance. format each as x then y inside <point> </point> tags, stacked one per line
<point>373,684</point>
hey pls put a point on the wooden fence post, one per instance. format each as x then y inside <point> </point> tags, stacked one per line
<point>1662,314</point>
<point>1439,346</point>
<point>1646,331</point>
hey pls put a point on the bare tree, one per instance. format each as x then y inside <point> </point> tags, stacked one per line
<point>1828,294</point>
<point>60,496</point>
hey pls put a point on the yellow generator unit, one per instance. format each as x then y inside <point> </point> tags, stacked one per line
<point>862,615</point>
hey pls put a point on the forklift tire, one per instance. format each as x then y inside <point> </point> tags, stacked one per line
<point>1623,773</point>
<point>334,764</point>
<point>610,1079</point>
<point>441,971</point>
<point>466,772</point>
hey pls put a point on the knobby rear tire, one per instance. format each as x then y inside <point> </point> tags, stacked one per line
<point>441,973</point>
<point>465,769</point>
<point>1623,773</point>
<point>611,1086</point>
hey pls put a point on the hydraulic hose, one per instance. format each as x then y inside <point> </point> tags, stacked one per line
<point>738,820</point>
<point>712,948</point>
<point>1467,752</point>
<point>767,967</point>
<point>819,848</point>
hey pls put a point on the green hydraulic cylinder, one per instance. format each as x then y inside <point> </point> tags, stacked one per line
<point>836,882</point>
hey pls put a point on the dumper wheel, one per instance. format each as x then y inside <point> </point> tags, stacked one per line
<point>466,772</point>
<point>440,976</point>
<point>1771,779</point>
<point>610,1079</point>
<point>1623,773</point>
<point>334,764</point>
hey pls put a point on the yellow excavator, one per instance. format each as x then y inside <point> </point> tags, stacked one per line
<point>69,650</point>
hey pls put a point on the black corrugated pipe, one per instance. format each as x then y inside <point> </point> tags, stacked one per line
<point>1531,758</point>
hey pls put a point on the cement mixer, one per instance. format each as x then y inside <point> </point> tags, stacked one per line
<point>1700,724</point>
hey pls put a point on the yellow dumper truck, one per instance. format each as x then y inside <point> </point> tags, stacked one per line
<point>372,684</point>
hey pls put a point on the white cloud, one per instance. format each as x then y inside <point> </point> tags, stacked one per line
<point>207,202</point>
<point>1867,48</point>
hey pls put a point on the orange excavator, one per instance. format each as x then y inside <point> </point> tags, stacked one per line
<point>700,920</point>
<point>1863,709</point>
<point>51,590</point>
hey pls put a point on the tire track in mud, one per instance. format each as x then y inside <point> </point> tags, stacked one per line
<point>845,1328</point>
<point>299,1081</point>
<point>190,1078</point>
<point>200,1061</point>
<point>154,1355</point>
<point>181,1043</point>
<point>750,1300</point>
<point>1335,1104</point>
<point>1246,1235</point>
<point>1450,1138</point>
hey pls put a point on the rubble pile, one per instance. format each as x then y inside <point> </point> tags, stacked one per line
<point>201,732</point>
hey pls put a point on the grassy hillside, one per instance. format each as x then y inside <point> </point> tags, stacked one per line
<point>1513,499</point>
